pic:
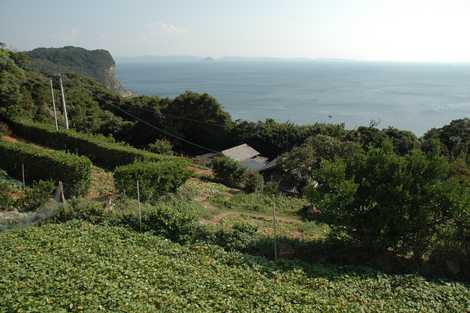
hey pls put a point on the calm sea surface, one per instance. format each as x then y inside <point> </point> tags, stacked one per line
<point>415,97</point>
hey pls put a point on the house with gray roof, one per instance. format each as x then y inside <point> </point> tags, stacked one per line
<point>246,155</point>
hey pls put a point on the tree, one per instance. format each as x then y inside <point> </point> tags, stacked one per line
<point>228,171</point>
<point>198,118</point>
<point>384,200</point>
<point>296,168</point>
<point>455,137</point>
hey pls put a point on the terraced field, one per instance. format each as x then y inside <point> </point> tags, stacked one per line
<point>79,267</point>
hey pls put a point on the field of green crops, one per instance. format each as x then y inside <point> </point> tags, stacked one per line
<point>79,267</point>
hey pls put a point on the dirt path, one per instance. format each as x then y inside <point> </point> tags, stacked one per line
<point>9,138</point>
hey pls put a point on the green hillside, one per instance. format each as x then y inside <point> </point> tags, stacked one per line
<point>97,64</point>
<point>79,267</point>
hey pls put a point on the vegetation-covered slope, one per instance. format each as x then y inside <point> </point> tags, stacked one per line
<point>97,64</point>
<point>79,267</point>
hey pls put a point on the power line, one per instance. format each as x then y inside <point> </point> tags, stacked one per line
<point>162,130</point>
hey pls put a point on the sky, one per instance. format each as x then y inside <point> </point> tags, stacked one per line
<point>385,30</point>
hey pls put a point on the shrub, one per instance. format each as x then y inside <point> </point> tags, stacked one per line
<point>44,164</point>
<point>101,150</point>
<point>176,222</point>
<point>36,196</point>
<point>161,146</point>
<point>227,171</point>
<point>388,201</point>
<point>238,238</point>
<point>253,182</point>
<point>155,179</point>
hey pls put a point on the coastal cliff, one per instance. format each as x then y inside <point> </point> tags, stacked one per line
<point>97,64</point>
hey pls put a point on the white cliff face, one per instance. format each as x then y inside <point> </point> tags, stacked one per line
<point>113,83</point>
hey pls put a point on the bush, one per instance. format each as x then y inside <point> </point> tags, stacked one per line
<point>44,164</point>
<point>36,196</point>
<point>228,171</point>
<point>176,222</point>
<point>238,238</point>
<point>253,182</point>
<point>101,150</point>
<point>155,179</point>
<point>388,201</point>
<point>161,146</point>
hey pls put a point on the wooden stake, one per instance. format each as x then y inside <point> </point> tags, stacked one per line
<point>22,175</point>
<point>63,103</point>
<point>53,105</point>
<point>140,210</point>
<point>274,234</point>
<point>62,195</point>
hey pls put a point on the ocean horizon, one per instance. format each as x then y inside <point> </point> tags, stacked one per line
<point>409,96</point>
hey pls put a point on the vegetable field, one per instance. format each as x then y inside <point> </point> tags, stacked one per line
<point>79,267</point>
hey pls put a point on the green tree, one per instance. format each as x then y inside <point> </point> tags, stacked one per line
<point>296,168</point>
<point>198,118</point>
<point>384,200</point>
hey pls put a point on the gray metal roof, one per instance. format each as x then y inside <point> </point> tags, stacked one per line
<point>241,153</point>
<point>256,164</point>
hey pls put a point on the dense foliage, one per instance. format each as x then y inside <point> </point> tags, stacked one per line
<point>101,150</point>
<point>43,164</point>
<point>295,168</point>
<point>384,200</point>
<point>155,178</point>
<point>455,139</point>
<point>78,267</point>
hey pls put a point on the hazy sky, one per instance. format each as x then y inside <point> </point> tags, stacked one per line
<point>400,30</point>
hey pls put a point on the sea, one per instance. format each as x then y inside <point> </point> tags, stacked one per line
<point>410,96</point>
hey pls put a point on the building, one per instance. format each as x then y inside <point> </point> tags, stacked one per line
<point>246,155</point>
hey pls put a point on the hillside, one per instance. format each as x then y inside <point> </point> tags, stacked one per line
<point>79,267</point>
<point>97,64</point>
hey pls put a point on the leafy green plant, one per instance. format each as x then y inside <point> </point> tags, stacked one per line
<point>155,178</point>
<point>79,267</point>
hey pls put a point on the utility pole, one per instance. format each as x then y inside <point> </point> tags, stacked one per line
<point>53,105</point>
<point>63,103</point>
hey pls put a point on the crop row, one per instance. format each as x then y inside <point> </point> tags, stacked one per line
<point>44,164</point>
<point>102,151</point>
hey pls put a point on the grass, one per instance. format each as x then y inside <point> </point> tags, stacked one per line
<point>79,267</point>
<point>262,203</point>
<point>223,206</point>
